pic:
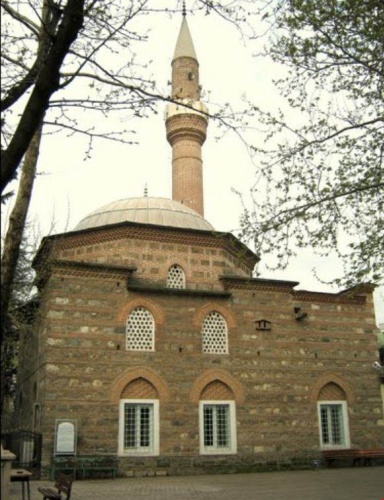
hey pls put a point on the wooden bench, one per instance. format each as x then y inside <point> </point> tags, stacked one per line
<point>105,465</point>
<point>330,456</point>
<point>357,456</point>
<point>84,466</point>
<point>366,456</point>
<point>63,486</point>
<point>66,465</point>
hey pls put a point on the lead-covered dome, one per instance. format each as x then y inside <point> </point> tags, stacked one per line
<point>147,210</point>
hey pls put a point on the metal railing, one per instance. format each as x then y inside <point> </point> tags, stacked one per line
<point>26,445</point>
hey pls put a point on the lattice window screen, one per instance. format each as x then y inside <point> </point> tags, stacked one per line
<point>140,330</point>
<point>215,334</point>
<point>175,277</point>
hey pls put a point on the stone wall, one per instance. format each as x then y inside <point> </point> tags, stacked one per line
<point>82,368</point>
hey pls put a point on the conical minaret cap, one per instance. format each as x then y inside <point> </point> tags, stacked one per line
<point>184,45</point>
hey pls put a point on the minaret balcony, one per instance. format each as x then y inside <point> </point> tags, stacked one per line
<point>186,106</point>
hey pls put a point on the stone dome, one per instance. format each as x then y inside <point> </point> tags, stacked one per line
<point>147,210</point>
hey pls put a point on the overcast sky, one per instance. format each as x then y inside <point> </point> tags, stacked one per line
<point>71,187</point>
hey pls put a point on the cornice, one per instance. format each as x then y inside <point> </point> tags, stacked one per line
<point>178,291</point>
<point>79,268</point>
<point>241,283</point>
<point>147,232</point>
<point>355,295</point>
<point>335,298</point>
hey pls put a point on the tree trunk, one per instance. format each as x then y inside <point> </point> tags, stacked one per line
<point>14,235</point>
<point>47,82</point>
<point>11,250</point>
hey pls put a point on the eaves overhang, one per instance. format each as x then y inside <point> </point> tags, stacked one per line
<point>166,234</point>
<point>240,282</point>
<point>182,292</point>
<point>83,268</point>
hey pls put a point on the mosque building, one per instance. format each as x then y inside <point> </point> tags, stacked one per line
<point>154,344</point>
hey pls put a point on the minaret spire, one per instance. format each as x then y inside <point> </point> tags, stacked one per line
<point>186,123</point>
<point>184,9</point>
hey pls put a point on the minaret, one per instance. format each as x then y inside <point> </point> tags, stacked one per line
<point>186,126</point>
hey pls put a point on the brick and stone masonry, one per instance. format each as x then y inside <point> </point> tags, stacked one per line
<point>78,366</point>
<point>285,349</point>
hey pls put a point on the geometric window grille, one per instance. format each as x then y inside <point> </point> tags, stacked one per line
<point>138,433</point>
<point>216,426</point>
<point>215,334</point>
<point>175,277</point>
<point>140,330</point>
<point>217,423</point>
<point>138,427</point>
<point>333,424</point>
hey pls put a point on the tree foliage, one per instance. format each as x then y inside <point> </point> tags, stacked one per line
<point>321,182</point>
<point>61,57</point>
<point>21,306</point>
<point>321,165</point>
<point>67,65</point>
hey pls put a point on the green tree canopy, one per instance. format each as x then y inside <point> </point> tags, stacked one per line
<point>321,182</point>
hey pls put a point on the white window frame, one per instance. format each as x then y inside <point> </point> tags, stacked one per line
<point>344,414</point>
<point>155,437</point>
<point>215,450</point>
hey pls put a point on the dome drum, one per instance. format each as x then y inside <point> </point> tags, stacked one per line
<point>145,210</point>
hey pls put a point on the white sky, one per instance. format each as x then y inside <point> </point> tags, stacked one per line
<point>72,187</point>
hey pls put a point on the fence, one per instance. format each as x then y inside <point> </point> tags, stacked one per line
<point>26,445</point>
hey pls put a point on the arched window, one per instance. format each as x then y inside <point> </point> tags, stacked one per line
<point>139,419</point>
<point>333,417</point>
<point>175,277</point>
<point>217,427</point>
<point>140,330</point>
<point>217,419</point>
<point>215,334</point>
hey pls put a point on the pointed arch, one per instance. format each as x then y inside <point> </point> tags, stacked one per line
<point>222,376</point>
<point>212,307</point>
<point>132,374</point>
<point>214,332</point>
<point>180,261</point>
<point>139,388</point>
<point>331,392</point>
<point>176,277</point>
<point>329,378</point>
<point>155,310</point>
<point>217,390</point>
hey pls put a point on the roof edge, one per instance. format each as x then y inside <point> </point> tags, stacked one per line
<point>232,241</point>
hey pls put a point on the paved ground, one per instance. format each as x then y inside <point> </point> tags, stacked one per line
<point>362,483</point>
